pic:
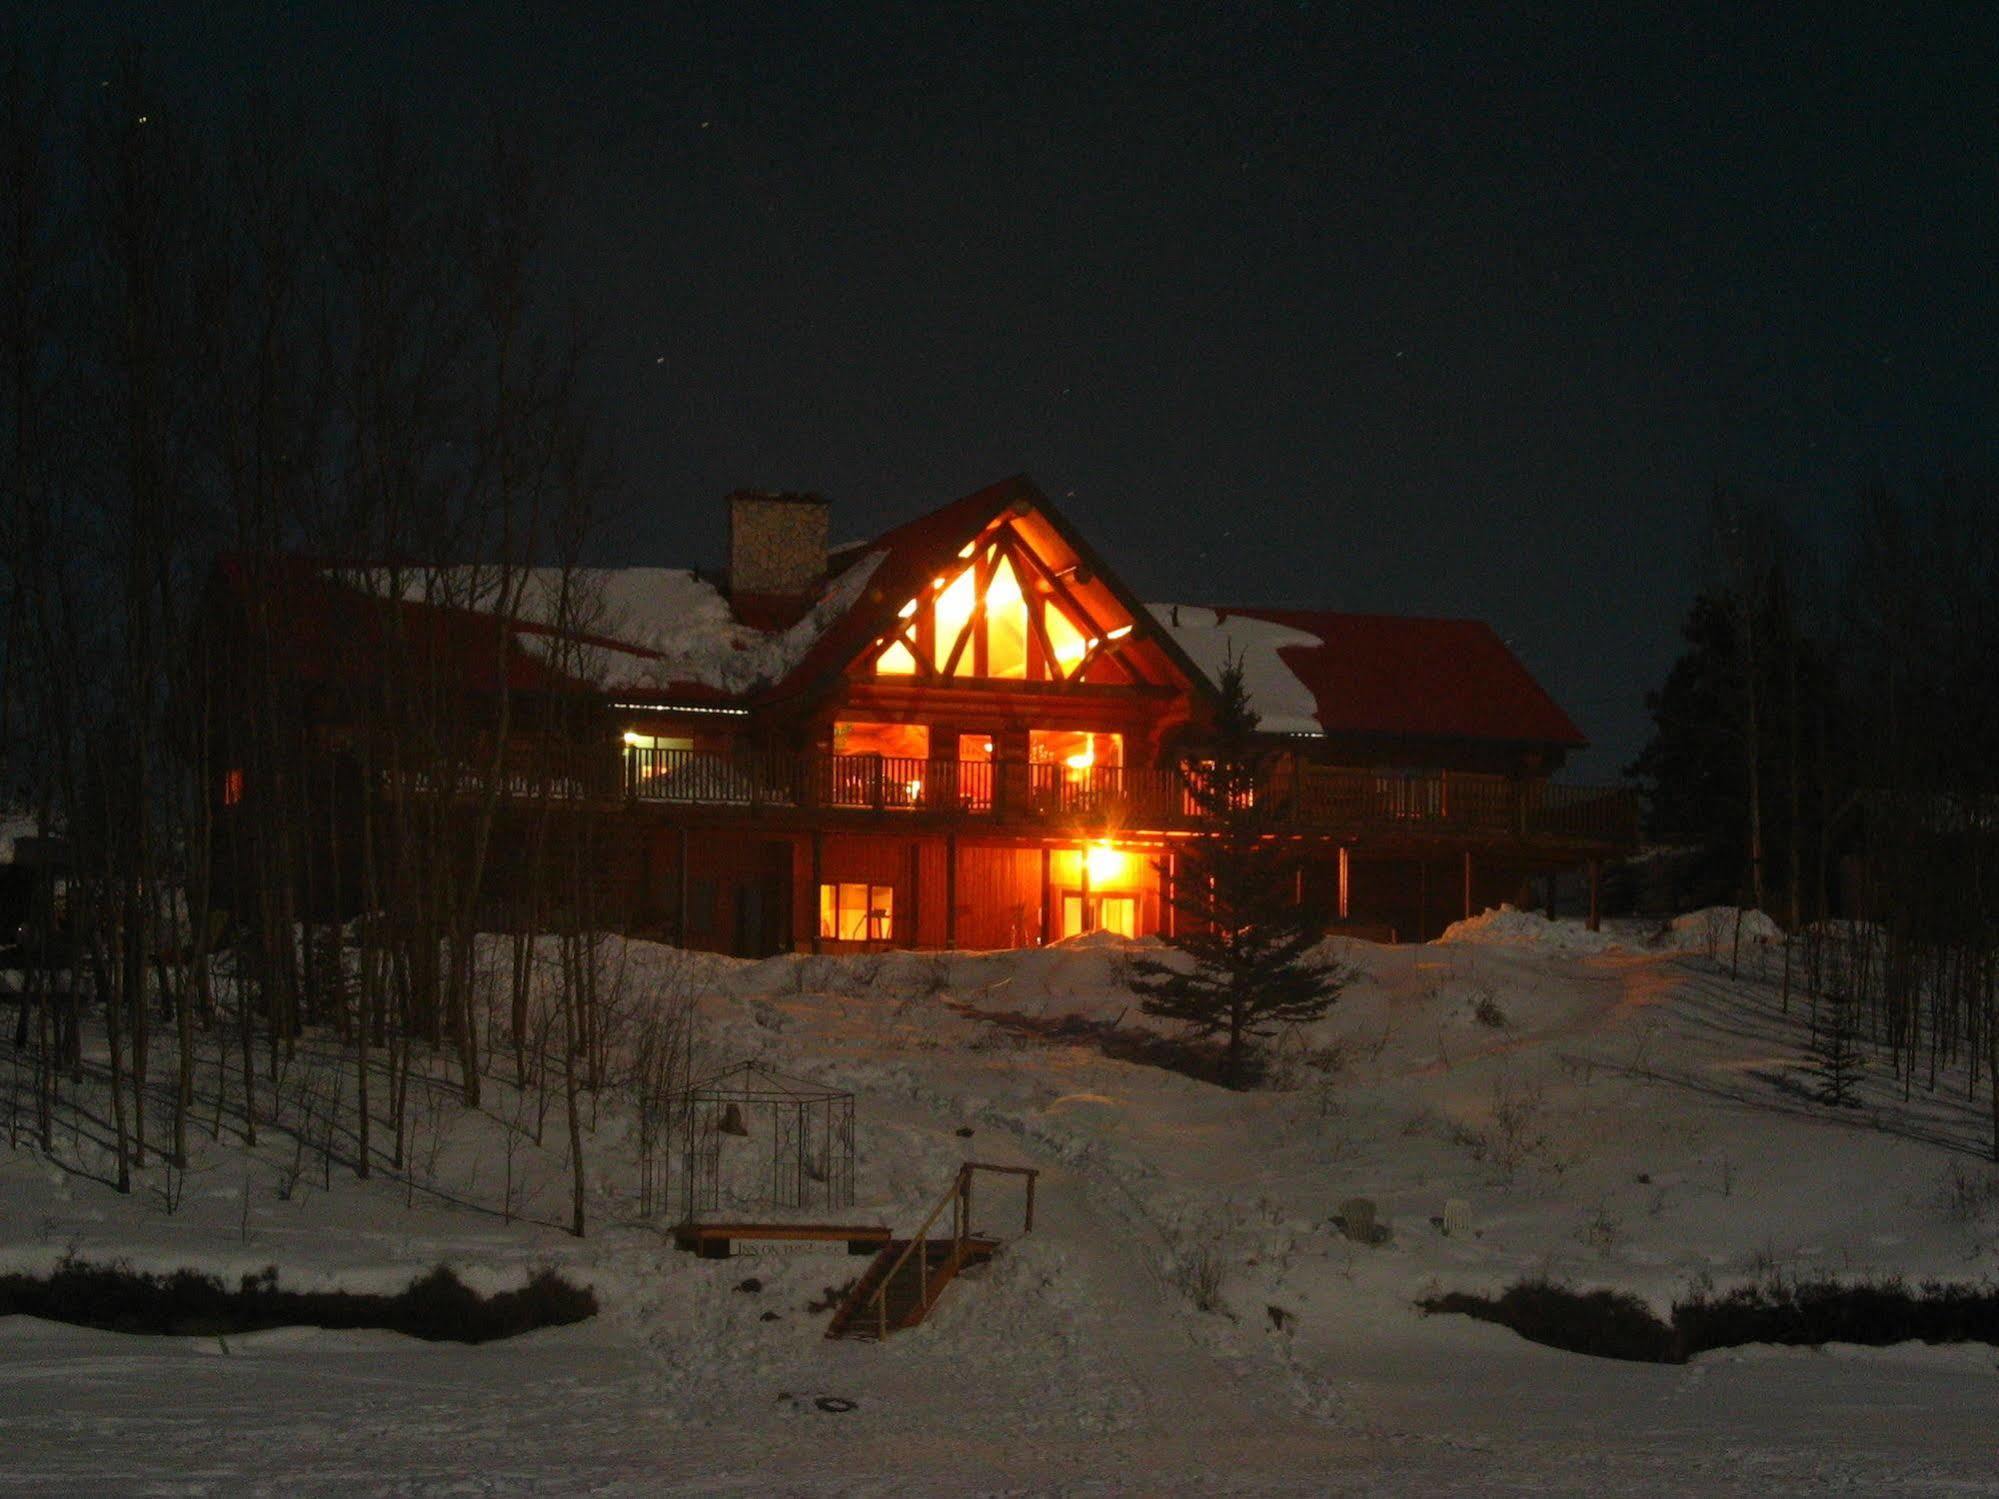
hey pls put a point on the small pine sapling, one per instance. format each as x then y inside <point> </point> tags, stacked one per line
<point>1834,1061</point>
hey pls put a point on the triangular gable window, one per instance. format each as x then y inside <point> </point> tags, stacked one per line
<point>1002,614</point>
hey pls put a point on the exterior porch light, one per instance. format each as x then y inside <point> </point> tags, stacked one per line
<point>1104,864</point>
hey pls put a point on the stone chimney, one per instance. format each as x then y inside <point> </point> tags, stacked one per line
<point>777,545</point>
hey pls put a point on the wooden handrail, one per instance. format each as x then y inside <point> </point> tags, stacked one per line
<point>1335,799</point>
<point>957,1196</point>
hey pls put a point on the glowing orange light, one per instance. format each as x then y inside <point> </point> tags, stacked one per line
<point>1104,863</point>
<point>1004,588</point>
<point>1083,759</point>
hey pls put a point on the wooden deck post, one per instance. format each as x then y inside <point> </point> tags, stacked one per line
<point>1553,875</point>
<point>1345,876</point>
<point>1467,884</point>
<point>818,872</point>
<point>680,934</point>
<point>1047,894</point>
<point>951,889</point>
<point>1596,895</point>
<point>1083,883</point>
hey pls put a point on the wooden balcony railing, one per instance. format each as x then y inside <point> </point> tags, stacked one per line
<point>1312,798</point>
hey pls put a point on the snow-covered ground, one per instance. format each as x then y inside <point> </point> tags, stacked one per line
<point>1609,1109</point>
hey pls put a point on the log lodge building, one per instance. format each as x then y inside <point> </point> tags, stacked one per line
<point>962,733</point>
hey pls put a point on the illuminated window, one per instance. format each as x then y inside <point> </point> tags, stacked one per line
<point>1107,868</point>
<point>1006,625</point>
<point>1099,889</point>
<point>232,787</point>
<point>974,771</point>
<point>1069,643</point>
<point>880,764</point>
<point>998,612</point>
<point>856,912</point>
<point>1118,913</point>
<point>651,757</point>
<point>955,605</point>
<point>1099,913</point>
<point>895,741</point>
<point>1080,752</point>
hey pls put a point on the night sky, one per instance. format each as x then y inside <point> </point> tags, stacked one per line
<point>1376,308</point>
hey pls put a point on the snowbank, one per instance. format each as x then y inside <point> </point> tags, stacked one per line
<point>1714,927</point>
<point>14,827</point>
<point>1510,927</point>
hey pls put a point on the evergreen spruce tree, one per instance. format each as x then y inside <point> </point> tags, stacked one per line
<point>1236,899</point>
<point>1834,1060</point>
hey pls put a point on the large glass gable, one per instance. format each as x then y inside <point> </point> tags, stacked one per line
<point>1001,614</point>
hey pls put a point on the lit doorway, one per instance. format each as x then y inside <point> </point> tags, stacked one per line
<point>1113,912</point>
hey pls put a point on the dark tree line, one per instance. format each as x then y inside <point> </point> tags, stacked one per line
<point>1818,676</point>
<point>229,339</point>
<point>1828,746</point>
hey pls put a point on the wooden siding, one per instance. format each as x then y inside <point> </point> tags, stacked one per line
<point>999,896</point>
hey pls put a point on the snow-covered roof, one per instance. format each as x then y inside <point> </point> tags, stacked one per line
<point>668,632</point>
<point>1311,671</point>
<point>634,629</point>
<point>1212,638</point>
<point>683,631</point>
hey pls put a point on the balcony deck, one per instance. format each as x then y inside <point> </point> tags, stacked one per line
<point>1335,803</point>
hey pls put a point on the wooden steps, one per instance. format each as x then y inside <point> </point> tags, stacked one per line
<point>909,1274</point>
<point>908,1278</point>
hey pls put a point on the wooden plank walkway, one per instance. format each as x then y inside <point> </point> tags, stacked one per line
<point>712,1241</point>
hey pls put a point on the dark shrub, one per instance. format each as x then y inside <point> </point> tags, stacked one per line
<point>438,1307</point>
<point>1807,1313</point>
<point>1612,1324</point>
<point>1605,1324</point>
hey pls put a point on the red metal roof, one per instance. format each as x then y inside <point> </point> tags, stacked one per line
<point>1386,674</point>
<point>330,633</point>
